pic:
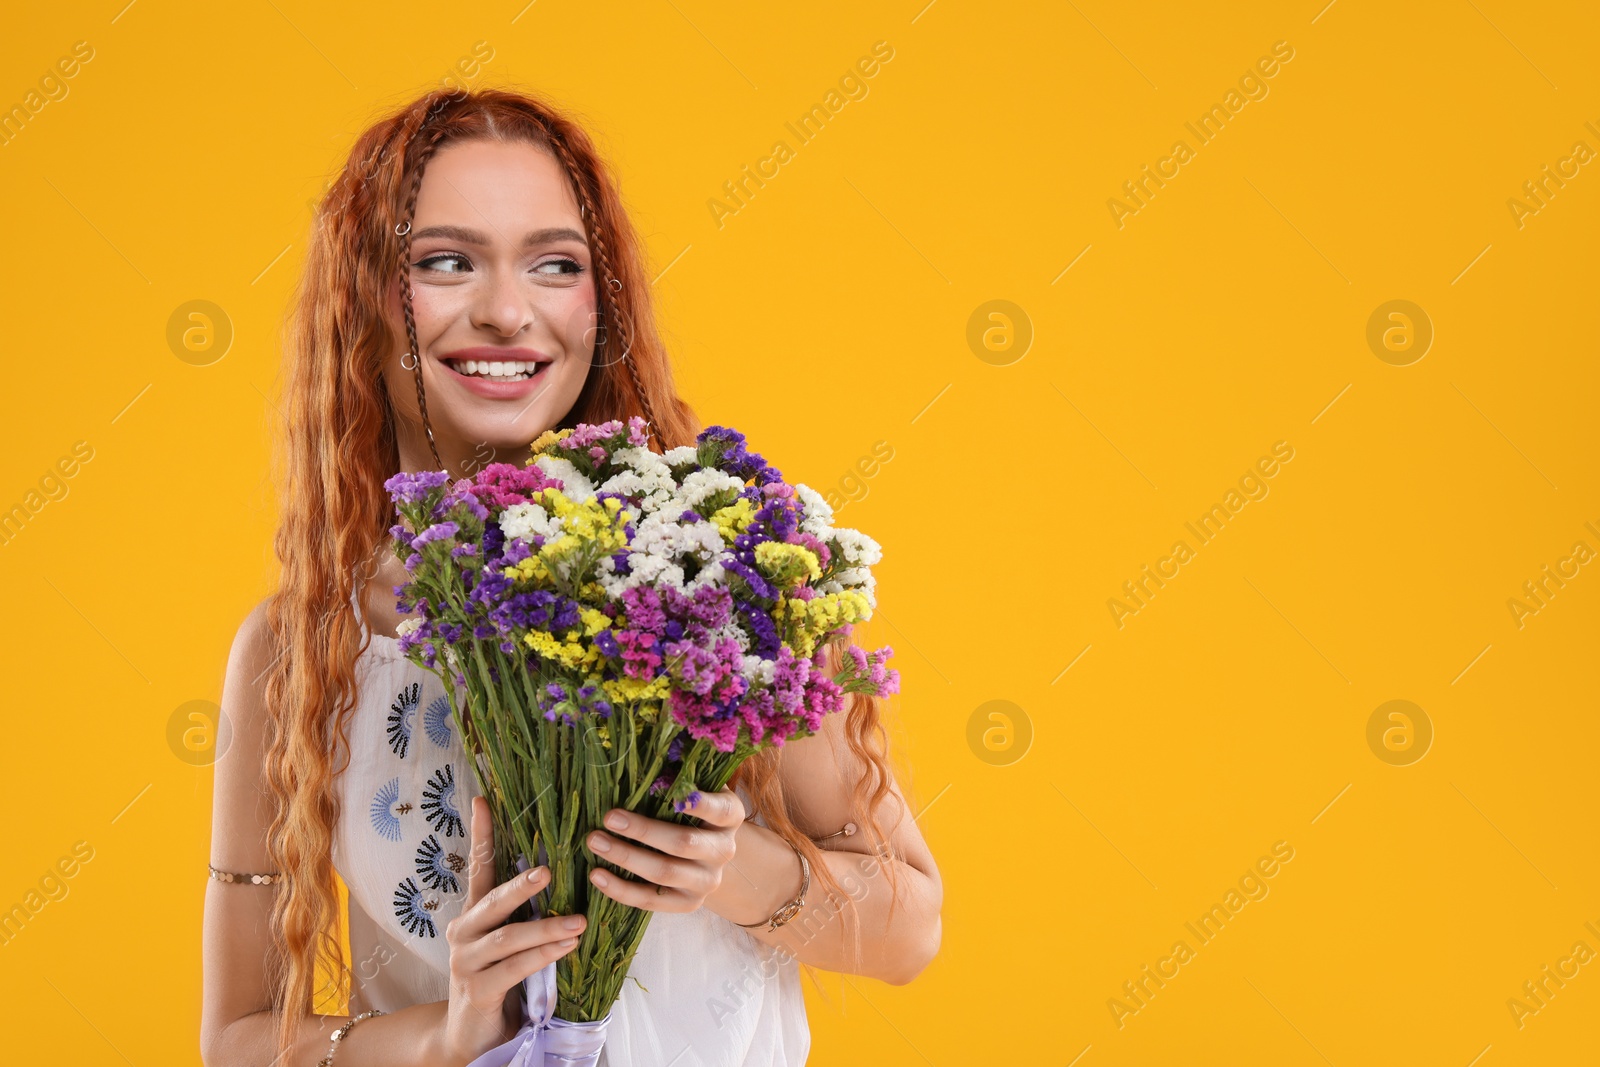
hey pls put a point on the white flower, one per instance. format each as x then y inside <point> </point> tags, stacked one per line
<point>630,484</point>
<point>701,484</point>
<point>642,460</point>
<point>710,574</point>
<point>613,583</point>
<point>858,547</point>
<point>574,484</point>
<point>683,454</point>
<point>703,539</point>
<point>405,626</point>
<point>657,551</point>
<point>854,577</point>
<point>732,631</point>
<point>525,520</point>
<point>654,570</point>
<point>757,671</point>
<point>819,513</point>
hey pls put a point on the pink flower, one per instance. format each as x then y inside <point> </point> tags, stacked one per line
<point>501,485</point>
<point>639,657</point>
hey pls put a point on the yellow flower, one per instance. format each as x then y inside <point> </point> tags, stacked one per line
<point>787,564</point>
<point>531,569</point>
<point>819,615</point>
<point>623,690</point>
<point>572,652</point>
<point>732,520</point>
<point>591,525</point>
<point>545,440</point>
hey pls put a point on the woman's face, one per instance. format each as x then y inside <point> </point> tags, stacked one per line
<point>504,298</point>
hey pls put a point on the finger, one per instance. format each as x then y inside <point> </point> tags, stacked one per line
<point>480,867</point>
<point>514,969</point>
<point>496,907</point>
<point>722,808</point>
<point>687,842</point>
<point>512,939</point>
<point>649,864</point>
<point>643,895</point>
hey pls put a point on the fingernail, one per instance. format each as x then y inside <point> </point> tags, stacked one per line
<point>601,878</point>
<point>568,943</point>
<point>617,821</point>
<point>573,922</point>
<point>535,874</point>
<point>599,843</point>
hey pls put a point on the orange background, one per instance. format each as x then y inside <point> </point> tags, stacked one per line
<point>1139,771</point>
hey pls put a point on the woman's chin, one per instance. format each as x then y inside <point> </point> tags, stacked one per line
<point>495,444</point>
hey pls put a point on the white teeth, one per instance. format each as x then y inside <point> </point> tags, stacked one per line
<point>503,370</point>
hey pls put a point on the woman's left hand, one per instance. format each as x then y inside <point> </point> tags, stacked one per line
<point>681,865</point>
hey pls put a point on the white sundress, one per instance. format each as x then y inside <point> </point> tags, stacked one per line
<point>717,997</point>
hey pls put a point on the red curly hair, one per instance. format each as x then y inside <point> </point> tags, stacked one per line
<point>338,447</point>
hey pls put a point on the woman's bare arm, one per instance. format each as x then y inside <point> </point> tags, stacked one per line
<point>237,1025</point>
<point>744,872</point>
<point>818,774</point>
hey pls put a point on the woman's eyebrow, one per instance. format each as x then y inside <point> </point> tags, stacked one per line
<point>477,237</point>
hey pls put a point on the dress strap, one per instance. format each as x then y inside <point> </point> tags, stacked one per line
<point>355,606</point>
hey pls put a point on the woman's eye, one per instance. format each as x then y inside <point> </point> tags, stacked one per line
<point>563,266</point>
<point>446,263</point>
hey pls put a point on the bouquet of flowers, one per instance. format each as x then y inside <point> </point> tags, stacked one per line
<point>617,627</point>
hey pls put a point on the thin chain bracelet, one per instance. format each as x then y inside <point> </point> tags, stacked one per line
<point>253,879</point>
<point>338,1035</point>
<point>789,910</point>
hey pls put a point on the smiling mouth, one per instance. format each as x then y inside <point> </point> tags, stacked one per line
<point>495,370</point>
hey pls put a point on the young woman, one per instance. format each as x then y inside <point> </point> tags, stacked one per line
<point>473,281</point>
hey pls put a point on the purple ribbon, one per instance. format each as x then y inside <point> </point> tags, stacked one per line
<point>544,1040</point>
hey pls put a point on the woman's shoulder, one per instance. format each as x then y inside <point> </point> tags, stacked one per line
<point>254,645</point>
<point>250,658</point>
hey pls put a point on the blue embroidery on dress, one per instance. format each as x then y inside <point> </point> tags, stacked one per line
<point>412,910</point>
<point>440,803</point>
<point>385,812</point>
<point>400,713</point>
<point>436,720</point>
<point>437,868</point>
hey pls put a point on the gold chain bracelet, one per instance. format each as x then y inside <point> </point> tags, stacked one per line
<point>253,879</point>
<point>792,908</point>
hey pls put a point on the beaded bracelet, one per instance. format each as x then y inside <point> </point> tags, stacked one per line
<point>338,1035</point>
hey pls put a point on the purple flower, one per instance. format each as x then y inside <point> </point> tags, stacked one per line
<point>725,449</point>
<point>439,531</point>
<point>413,487</point>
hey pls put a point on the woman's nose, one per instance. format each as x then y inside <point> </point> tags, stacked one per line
<point>503,306</point>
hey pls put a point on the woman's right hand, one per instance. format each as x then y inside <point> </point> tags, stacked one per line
<point>489,957</point>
